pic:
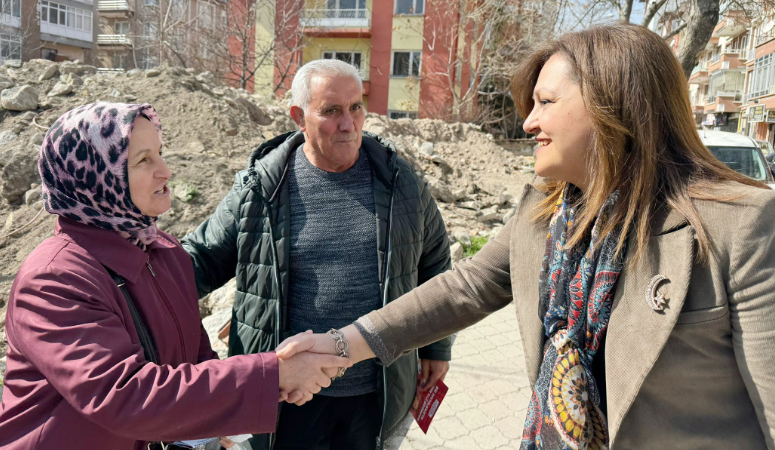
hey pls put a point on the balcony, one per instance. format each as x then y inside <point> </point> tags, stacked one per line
<point>736,96</point>
<point>699,74</point>
<point>729,59</point>
<point>762,38</point>
<point>114,40</point>
<point>115,8</point>
<point>729,27</point>
<point>336,18</point>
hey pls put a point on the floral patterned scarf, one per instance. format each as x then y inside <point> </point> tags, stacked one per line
<point>576,290</point>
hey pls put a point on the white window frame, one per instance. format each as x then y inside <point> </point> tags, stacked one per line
<point>11,8</point>
<point>411,63</point>
<point>125,30</point>
<point>334,53</point>
<point>762,76</point>
<point>66,16</point>
<point>395,114</point>
<point>12,45</point>
<point>205,15</point>
<point>150,30</point>
<point>414,8</point>
<point>120,61</point>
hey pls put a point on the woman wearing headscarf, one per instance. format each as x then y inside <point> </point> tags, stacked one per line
<point>642,269</point>
<point>106,349</point>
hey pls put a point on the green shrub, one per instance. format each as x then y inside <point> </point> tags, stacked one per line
<point>477,242</point>
<point>184,191</point>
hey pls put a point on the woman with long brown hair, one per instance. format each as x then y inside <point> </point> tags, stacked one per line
<point>642,269</point>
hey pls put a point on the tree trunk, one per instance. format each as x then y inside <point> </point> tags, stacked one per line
<point>625,10</point>
<point>702,19</point>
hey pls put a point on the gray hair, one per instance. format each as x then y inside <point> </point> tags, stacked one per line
<point>300,89</point>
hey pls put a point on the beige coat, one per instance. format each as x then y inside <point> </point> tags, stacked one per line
<point>698,375</point>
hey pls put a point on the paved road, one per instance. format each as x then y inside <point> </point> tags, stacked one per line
<point>488,392</point>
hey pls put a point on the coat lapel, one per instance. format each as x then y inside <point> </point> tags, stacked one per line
<point>527,252</point>
<point>637,333</point>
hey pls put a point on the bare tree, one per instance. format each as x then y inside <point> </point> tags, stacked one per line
<point>470,64</point>
<point>179,33</point>
<point>697,19</point>
<point>19,31</point>
<point>241,53</point>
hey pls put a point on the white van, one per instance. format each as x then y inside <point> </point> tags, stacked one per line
<point>739,152</point>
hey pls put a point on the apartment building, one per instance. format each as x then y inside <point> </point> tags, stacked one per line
<point>759,101</point>
<point>732,88</point>
<point>145,33</point>
<point>412,54</point>
<point>57,30</point>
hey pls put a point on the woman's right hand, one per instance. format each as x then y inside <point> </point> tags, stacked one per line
<point>323,343</point>
<point>304,374</point>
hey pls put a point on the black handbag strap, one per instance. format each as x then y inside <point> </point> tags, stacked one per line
<point>146,340</point>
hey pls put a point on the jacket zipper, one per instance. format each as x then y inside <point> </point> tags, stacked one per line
<point>169,307</point>
<point>386,285</point>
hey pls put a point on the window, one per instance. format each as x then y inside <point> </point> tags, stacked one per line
<point>205,15</point>
<point>402,115</point>
<point>149,30</point>
<point>345,9</point>
<point>178,9</point>
<point>353,58</point>
<point>120,61</point>
<point>410,6</point>
<point>148,61</point>
<point>763,76</point>
<point>12,8</point>
<point>66,16</point>
<point>406,64</point>
<point>49,54</point>
<point>10,47</point>
<point>121,28</point>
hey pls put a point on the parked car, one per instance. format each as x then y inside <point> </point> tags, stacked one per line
<point>740,153</point>
<point>766,148</point>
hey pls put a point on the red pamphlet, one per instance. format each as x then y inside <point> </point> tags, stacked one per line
<point>430,401</point>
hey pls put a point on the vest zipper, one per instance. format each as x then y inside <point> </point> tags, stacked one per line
<point>169,307</point>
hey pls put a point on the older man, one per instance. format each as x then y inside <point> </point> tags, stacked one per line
<point>325,225</point>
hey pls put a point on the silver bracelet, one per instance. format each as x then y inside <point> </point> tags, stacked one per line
<point>342,347</point>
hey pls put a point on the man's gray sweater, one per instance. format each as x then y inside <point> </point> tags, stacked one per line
<point>334,278</point>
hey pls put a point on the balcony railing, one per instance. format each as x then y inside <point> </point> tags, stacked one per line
<point>114,39</point>
<point>336,18</point>
<point>113,6</point>
<point>736,95</point>
<point>762,38</point>
<point>715,58</point>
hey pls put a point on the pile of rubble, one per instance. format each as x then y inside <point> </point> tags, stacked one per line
<point>209,131</point>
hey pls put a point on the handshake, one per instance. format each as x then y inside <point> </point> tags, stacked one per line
<point>308,362</point>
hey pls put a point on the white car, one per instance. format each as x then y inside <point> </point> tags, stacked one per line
<point>739,152</point>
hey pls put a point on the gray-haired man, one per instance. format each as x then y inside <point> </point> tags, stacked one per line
<point>325,225</point>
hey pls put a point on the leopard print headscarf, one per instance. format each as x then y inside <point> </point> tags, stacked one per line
<point>83,168</point>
